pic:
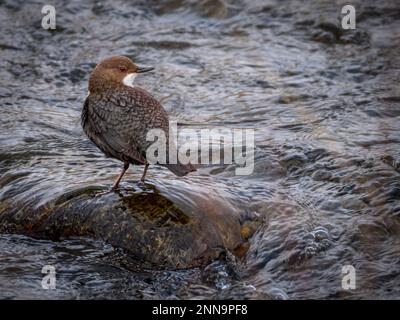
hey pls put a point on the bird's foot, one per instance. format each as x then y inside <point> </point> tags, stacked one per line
<point>141,184</point>
<point>113,189</point>
<point>106,191</point>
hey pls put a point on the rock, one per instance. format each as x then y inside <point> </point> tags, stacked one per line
<point>156,230</point>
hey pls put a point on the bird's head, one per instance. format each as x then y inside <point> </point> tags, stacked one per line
<point>114,71</point>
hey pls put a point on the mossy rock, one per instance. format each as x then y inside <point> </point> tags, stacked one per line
<point>157,231</point>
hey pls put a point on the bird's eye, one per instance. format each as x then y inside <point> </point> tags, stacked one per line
<point>122,68</point>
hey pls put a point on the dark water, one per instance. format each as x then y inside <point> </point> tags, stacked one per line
<point>325,192</point>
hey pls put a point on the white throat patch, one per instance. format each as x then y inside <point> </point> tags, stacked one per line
<point>128,79</point>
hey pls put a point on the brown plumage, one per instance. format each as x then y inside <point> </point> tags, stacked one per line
<point>117,116</point>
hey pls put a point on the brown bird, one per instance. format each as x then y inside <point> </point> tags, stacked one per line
<point>116,115</point>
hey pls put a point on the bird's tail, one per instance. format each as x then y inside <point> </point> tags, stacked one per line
<point>181,169</point>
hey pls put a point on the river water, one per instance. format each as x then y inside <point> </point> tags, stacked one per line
<point>325,107</point>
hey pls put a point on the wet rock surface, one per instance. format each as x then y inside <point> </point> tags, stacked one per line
<point>148,225</point>
<point>324,104</point>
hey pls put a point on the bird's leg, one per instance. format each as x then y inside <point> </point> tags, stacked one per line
<point>144,172</point>
<point>118,180</point>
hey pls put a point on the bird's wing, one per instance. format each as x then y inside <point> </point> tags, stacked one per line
<point>118,123</point>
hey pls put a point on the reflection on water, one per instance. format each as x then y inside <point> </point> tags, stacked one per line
<point>325,190</point>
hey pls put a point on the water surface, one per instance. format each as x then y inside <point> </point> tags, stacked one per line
<point>325,107</point>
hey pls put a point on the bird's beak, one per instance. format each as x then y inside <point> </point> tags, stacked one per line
<point>144,69</point>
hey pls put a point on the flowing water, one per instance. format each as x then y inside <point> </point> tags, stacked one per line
<point>325,107</point>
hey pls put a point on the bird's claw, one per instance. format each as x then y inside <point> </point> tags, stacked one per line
<point>141,183</point>
<point>107,191</point>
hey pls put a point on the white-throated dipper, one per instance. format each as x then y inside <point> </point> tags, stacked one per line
<point>116,115</point>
